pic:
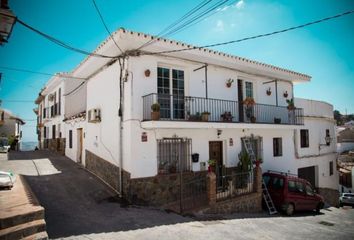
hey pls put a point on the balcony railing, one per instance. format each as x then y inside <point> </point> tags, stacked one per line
<point>177,108</point>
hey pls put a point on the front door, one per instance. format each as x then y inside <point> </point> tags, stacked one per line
<point>215,153</point>
<point>79,145</point>
<point>308,173</point>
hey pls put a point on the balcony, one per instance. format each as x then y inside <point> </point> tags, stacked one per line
<point>176,108</point>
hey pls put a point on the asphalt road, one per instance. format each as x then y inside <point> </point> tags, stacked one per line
<point>79,206</point>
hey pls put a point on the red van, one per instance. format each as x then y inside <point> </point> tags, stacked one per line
<point>290,193</point>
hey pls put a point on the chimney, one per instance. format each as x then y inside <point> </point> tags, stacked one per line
<point>4,4</point>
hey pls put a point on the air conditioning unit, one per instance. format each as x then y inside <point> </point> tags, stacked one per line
<point>94,115</point>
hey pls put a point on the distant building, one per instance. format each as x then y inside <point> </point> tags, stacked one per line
<point>10,125</point>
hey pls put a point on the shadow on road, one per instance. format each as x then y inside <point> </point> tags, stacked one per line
<point>76,202</point>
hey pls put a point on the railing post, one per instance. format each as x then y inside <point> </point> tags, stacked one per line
<point>211,188</point>
<point>257,179</point>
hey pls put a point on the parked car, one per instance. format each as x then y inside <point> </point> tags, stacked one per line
<point>7,179</point>
<point>4,145</point>
<point>290,193</point>
<point>346,199</point>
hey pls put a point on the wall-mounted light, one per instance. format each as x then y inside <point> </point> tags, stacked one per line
<point>219,132</point>
<point>7,22</point>
<point>328,141</point>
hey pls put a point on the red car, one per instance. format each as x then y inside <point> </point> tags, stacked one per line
<point>290,193</point>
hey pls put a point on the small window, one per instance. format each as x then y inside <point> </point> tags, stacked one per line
<point>53,132</point>
<point>70,138</point>
<point>292,186</point>
<point>328,137</point>
<point>330,168</point>
<point>277,147</point>
<point>45,132</point>
<point>304,138</point>
<point>249,89</point>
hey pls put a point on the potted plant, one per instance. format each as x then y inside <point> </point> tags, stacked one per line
<point>249,102</point>
<point>277,120</point>
<point>253,119</point>
<point>285,94</point>
<point>227,117</point>
<point>269,92</point>
<point>155,114</point>
<point>205,116</point>
<point>229,82</point>
<point>211,165</point>
<point>291,105</point>
<point>195,117</point>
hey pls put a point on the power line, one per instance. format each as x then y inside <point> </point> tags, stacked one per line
<point>74,90</point>
<point>61,43</point>
<point>189,13</point>
<point>18,101</point>
<point>40,73</point>
<point>104,24</point>
<point>257,36</point>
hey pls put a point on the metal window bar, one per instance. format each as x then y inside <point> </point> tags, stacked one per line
<point>174,155</point>
<point>235,184</point>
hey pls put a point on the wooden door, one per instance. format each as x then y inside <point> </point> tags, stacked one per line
<point>215,153</point>
<point>79,145</point>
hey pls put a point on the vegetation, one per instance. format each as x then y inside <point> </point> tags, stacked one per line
<point>155,107</point>
<point>341,119</point>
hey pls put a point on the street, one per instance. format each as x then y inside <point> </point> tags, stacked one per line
<point>79,206</point>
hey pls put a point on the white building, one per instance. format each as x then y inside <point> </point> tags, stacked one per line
<point>122,142</point>
<point>10,125</point>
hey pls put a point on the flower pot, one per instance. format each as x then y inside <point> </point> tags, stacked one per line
<point>277,120</point>
<point>155,116</point>
<point>253,119</point>
<point>269,92</point>
<point>228,85</point>
<point>205,117</point>
<point>285,94</point>
<point>147,73</point>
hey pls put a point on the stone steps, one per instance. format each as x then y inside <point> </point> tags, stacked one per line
<point>37,236</point>
<point>23,230</point>
<point>22,215</point>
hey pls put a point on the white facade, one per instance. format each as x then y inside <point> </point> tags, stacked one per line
<point>10,125</point>
<point>131,142</point>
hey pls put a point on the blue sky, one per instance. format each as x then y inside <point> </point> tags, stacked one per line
<point>324,51</point>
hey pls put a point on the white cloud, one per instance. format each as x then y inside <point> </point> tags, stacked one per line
<point>240,4</point>
<point>219,25</point>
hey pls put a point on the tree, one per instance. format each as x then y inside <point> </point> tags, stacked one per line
<point>338,117</point>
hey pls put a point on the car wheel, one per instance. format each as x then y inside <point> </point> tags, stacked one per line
<point>319,207</point>
<point>289,209</point>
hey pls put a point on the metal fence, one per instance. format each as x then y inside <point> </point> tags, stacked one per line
<point>235,184</point>
<point>194,194</point>
<point>185,108</point>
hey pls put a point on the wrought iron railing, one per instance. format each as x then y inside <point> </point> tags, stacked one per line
<point>176,108</point>
<point>228,186</point>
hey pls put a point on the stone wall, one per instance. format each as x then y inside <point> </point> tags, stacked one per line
<point>331,196</point>
<point>55,145</point>
<point>105,170</point>
<point>161,190</point>
<point>249,203</point>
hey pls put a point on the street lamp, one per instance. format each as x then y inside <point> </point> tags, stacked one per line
<point>7,21</point>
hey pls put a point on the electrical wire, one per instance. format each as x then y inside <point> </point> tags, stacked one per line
<point>61,43</point>
<point>40,73</point>
<point>105,25</point>
<point>254,37</point>
<point>75,89</point>
<point>181,19</point>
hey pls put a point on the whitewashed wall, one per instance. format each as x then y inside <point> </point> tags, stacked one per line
<point>102,138</point>
<point>72,153</point>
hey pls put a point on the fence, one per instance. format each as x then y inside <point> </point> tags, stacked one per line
<point>185,108</point>
<point>234,184</point>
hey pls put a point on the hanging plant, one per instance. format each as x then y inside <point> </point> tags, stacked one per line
<point>249,101</point>
<point>229,82</point>
<point>285,94</point>
<point>269,92</point>
<point>291,105</point>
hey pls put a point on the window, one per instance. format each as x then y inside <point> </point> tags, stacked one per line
<point>170,86</point>
<point>295,186</point>
<point>2,116</point>
<point>277,147</point>
<point>59,101</point>
<point>277,183</point>
<point>70,138</point>
<point>173,155</point>
<point>44,112</point>
<point>53,132</point>
<point>304,138</point>
<point>328,137</point>
<point>45,132</point>
<point>309,190</point>
<point>249,89</point>
<point>330,168</point>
